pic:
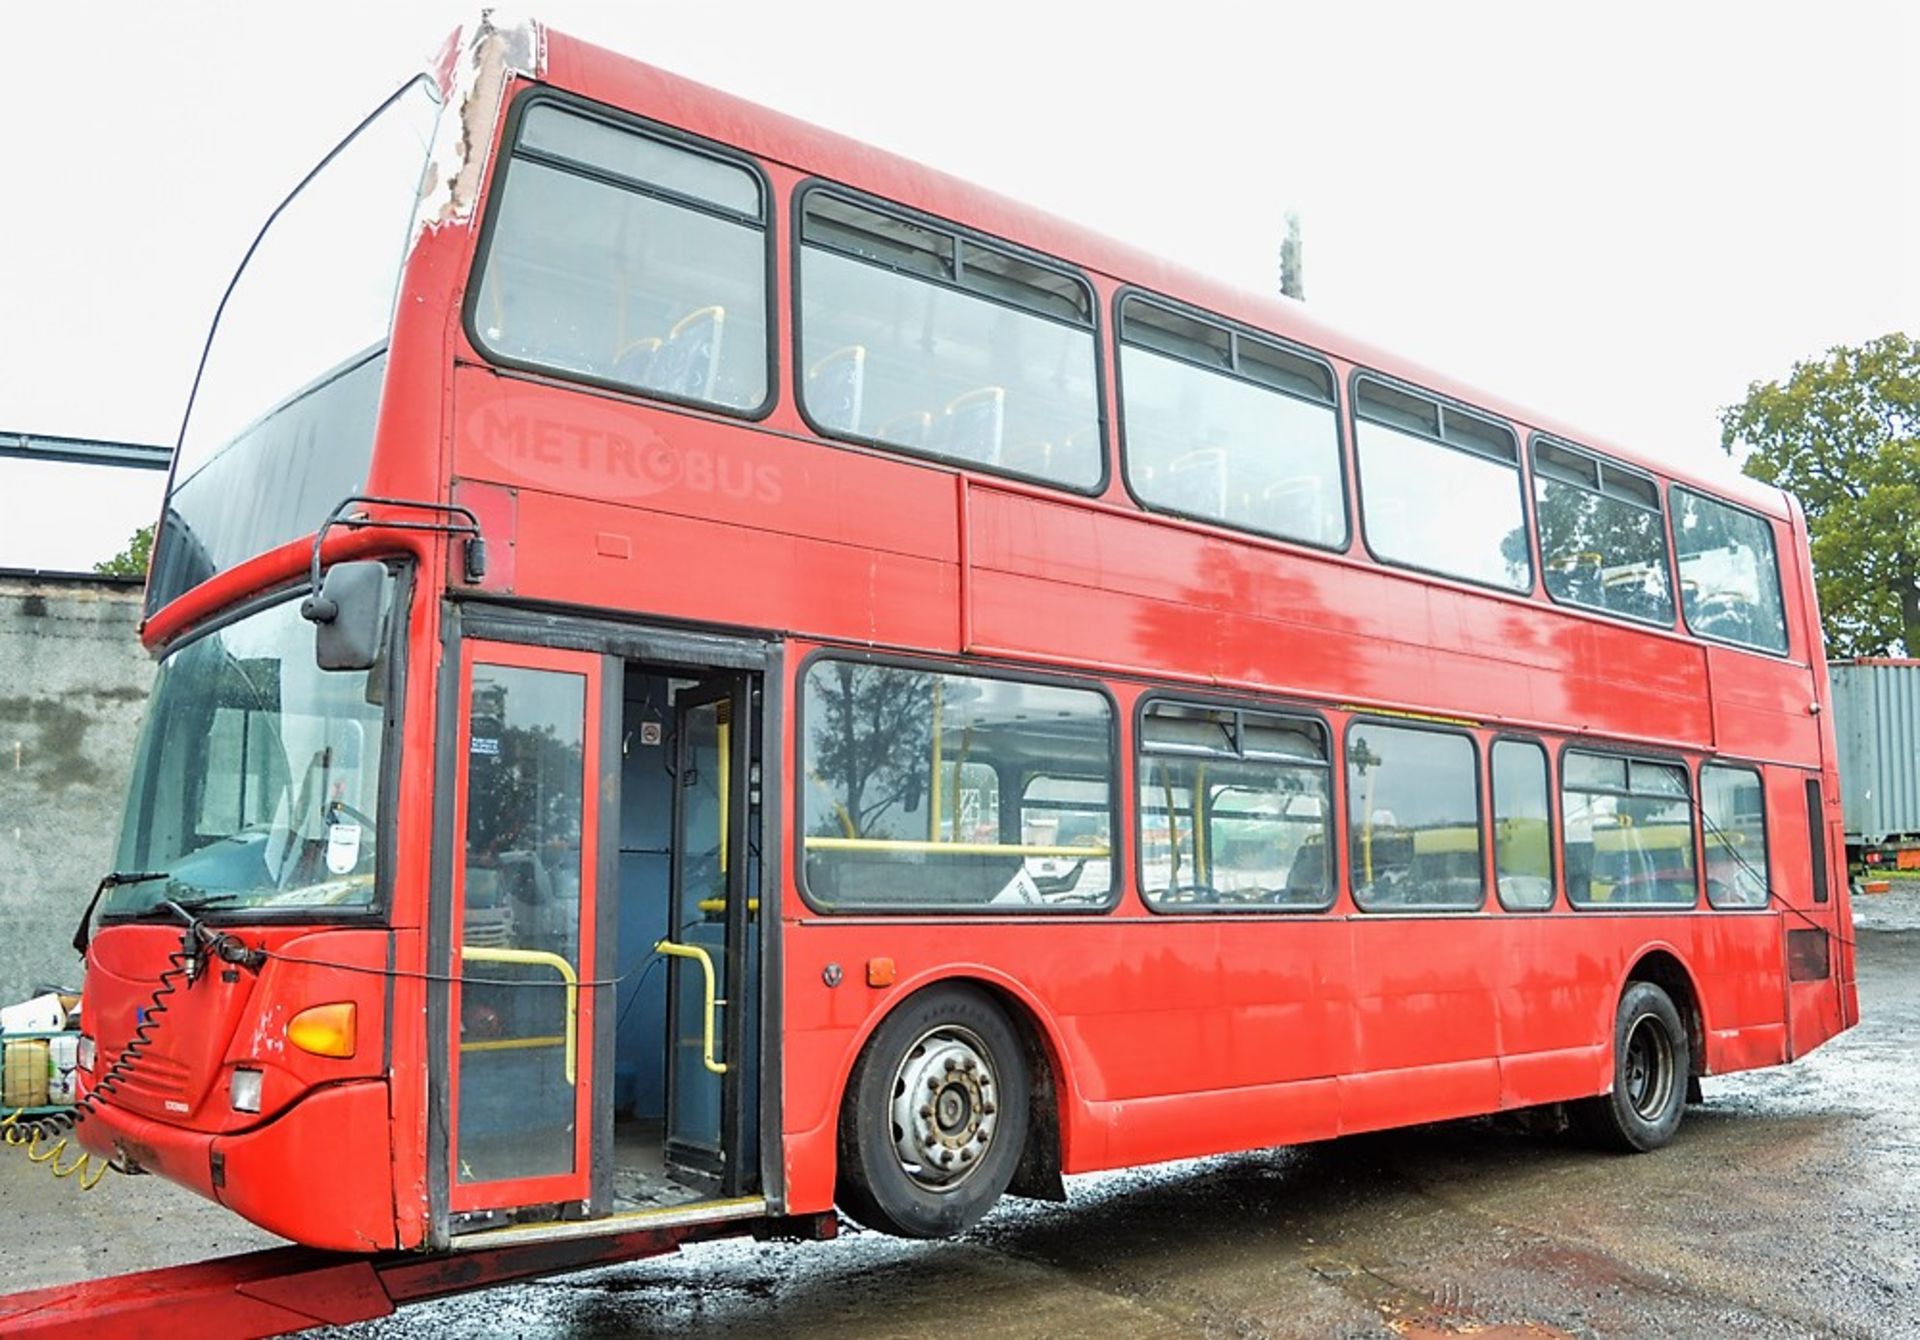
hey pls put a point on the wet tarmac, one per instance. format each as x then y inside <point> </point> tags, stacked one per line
<point>1789,1205</point>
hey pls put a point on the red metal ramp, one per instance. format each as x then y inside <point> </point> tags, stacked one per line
<point>287,1289</point>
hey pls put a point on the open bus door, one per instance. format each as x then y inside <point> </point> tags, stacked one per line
<point>606,815</point>
<point>526,836</point>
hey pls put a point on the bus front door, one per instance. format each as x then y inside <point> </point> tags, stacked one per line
<point>521,1007</point>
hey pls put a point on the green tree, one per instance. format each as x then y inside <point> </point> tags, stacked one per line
<point>1843,434</point>
<point>131,561</point>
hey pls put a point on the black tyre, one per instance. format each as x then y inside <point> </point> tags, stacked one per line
<point>1652,1063</point>
<point>935,1116</point>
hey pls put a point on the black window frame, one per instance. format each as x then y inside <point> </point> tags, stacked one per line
<point>1602,465</point>
<point>960,233</point>
<point>1630,754</point>
<point>1784,652</point>
<point>1759,773</point>
<point>674,138</point>
<point>1235,332</point>
<point>1443,403</point>
<point>1433,727</point>
<point>935,666</point>
<point>1557,895</point>
<point>1240,708</point>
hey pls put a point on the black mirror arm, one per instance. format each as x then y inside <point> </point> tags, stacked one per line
<point>459,521</point>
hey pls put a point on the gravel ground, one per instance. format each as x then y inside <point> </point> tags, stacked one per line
<point>1788,1206</point>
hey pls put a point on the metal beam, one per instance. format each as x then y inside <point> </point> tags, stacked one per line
<point>84,451</point>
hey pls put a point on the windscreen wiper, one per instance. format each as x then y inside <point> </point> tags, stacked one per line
<point>83,934</point>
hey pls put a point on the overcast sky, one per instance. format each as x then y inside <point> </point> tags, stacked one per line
<point>1621,214</point>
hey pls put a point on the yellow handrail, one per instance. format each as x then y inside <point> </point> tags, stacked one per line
<point>950,848</point>
<point>539,958</point>
<point>705,961</point>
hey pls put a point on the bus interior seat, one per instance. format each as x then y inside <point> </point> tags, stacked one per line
<point>689,364</point>
<point>1291,506</point>
<point>633,363</point>
<point>1030,458</point>
<point>1197,482</point>
<point>836,386</point>
<point>975,424</point>
<point>912,429</point>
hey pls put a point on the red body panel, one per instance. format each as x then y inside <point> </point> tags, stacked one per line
<point>1168,1035</point>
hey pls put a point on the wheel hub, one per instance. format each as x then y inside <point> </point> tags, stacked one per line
<point>1649,1069</point>
<point>945,1108</point>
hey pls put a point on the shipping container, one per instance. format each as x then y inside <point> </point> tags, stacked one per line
<point>1876,705</point>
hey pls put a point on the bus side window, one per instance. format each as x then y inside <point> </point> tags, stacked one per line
<point>1729,573</point>
<point>1733,823</point>
<point>1522,826</point>
<point>1235,809</point>
<point>1628,830</point>
<point>1413,819</point>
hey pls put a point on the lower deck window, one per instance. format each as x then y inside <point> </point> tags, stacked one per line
<point>1234,810</point>
<point>1734,823</point>
<point>926,791</point>
<point>1629,831</point>
<point>1413,819</point>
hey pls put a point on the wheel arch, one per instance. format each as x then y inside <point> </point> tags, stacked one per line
<point>1053,1104</point>
<point>1661,965</point>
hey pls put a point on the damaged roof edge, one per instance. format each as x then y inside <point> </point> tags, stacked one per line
<point>499,47</point>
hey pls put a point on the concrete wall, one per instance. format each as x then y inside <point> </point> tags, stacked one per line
<point>73,682</point>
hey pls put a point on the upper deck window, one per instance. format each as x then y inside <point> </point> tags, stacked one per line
<point>1440,488</point>
<point>1729,574</point>
<point>1603,543</point>
<point>627,260</point>
<point>915,336</point>
<point>1224,426</point>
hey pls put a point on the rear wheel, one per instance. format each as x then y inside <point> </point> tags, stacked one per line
<point>1651,1067</point>
<point>935,1116</point>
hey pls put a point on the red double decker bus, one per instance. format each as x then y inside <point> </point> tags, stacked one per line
<point>709,673</point>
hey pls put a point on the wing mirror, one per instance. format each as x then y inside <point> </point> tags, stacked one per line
<point>346,616</point>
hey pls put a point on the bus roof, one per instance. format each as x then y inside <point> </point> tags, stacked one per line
<point>774,136</point>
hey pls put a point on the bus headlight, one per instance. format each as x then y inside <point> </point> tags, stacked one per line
<point>244,1092</point>
<point>83,1053</point>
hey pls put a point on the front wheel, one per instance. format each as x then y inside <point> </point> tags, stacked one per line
<point>1651,1066</point>
<point>935,1116</point>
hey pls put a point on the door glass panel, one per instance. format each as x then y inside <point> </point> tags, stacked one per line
<point>520,1048</point>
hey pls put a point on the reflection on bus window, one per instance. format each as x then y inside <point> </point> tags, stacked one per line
<point>1073,813</point>
<point>1440,489</point>
<point>1629,831</point>
<point>926,790</point>
<point>1522,835</point>
<point>1235,810</point>
<point>628,260</point>
<point>1228,428</point>
<point>1733,825</point>
<point>1603,543</point>
<point>1729,575</point>
<point>917,338</point>
<point>1413,819</point>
